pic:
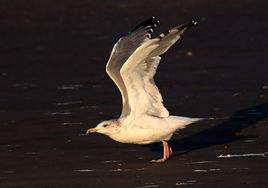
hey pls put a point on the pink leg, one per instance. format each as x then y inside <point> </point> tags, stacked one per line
<point>170,150</point>
<point>167,152</point>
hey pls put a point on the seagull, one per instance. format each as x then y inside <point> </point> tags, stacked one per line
<point>132,65</point>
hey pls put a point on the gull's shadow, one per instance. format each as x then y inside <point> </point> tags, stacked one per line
<point>222,133</point>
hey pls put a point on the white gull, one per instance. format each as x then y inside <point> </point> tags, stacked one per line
<point>132,66</point>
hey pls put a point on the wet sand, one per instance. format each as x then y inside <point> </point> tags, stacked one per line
<point>54,87</point>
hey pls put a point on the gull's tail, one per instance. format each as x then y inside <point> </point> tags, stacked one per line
<point>179,122</point>
<point>194,120</point>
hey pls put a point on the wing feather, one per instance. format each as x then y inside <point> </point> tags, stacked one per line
<point>137,73</point>
<point>121,52</point>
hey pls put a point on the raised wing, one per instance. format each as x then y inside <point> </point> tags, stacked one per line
<point>121,52</point>
<point>139,70</point>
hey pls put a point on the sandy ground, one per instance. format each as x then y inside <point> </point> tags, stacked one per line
<point>54,87</point>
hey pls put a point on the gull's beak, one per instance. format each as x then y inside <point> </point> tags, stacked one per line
<point>92,130</point>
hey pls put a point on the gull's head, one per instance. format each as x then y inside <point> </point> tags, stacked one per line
<point>108,128</point>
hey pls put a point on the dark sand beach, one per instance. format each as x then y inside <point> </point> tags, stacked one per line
<point>54,86</point>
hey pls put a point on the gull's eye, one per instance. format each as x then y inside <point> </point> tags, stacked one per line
<point>105,125</point>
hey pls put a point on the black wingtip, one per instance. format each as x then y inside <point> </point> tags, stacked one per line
<point>187,25</point>
<point>180,28</point>
<point>152,22</point>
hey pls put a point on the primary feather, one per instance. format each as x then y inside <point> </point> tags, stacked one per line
<point>133,64</point>
<point>124,47</point>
